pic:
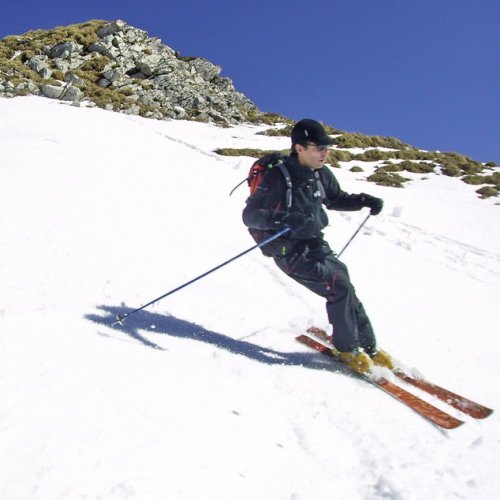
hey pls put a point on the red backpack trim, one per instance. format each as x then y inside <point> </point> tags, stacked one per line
<point>265,164</point>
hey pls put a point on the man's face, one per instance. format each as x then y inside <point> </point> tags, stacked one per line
<point>311,155</point>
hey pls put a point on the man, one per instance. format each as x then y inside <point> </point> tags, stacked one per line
<point>302,253</point>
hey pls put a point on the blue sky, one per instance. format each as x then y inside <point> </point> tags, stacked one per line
<point>426,72</point>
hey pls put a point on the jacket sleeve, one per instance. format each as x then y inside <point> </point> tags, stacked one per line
<point>264,207</point>
<point>336,199</point>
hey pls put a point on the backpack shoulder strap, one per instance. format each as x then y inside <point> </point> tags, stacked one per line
<point>288,181</point>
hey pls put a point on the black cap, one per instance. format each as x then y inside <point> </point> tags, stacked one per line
<point>310,131</point>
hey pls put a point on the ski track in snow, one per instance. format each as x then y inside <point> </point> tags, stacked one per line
<point>460,257</point>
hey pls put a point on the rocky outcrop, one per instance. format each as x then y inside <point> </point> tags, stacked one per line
<point>119,67</point>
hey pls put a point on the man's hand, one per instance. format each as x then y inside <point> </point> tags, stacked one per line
<point>374,204</point>
<point>293,220</point>
<point>296,221</point>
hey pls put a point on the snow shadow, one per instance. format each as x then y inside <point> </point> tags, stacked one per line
<point>145,322</point>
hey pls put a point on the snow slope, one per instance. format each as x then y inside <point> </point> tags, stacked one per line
<point>206,395</point>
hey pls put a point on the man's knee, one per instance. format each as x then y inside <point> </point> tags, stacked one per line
<point>339,286</point>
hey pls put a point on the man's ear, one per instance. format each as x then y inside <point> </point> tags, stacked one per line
<point>299,148</point>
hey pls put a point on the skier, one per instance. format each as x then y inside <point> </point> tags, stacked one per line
<point>302,253</point>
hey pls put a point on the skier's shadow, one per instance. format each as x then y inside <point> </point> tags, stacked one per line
<point>142,322</point>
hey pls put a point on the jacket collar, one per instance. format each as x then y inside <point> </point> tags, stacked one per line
<point>298,173</point>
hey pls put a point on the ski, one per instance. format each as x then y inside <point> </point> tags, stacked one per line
<point>423,408</point>
<point>457,401</point>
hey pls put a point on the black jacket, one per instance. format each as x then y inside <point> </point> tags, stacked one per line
<point>311,191</point>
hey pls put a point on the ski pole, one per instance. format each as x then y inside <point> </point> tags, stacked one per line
<point>120,318</point>
<point>354,235</point>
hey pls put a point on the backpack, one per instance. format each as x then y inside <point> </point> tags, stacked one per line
<point>259,169</point>
<point>255,176</point>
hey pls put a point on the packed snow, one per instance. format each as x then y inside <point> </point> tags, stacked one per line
<point>206,394</point>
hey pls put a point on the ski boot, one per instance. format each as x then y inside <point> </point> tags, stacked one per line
<point>382,358</point>
<point>357,361</point>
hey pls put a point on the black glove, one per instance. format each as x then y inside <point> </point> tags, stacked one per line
<point>374,204</point>
<point>293,220</point>
<point>296,221</point>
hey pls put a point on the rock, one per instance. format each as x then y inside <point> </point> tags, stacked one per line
<point>64,50</point>
<point>132,110</point>
<point>103,82</point>
<point>45,73</point>
<point>147,76</point>
<point>26,88</point>
<point>73,79</point>
<point>112,75</point>
<point>52,91</point>
<point>65,93</point>
<point>111,28</point>
<point>62,65</point>
<point>38,63</point>
<point>149,64</point>
<point>205,69</point>
<point>180,112</point>
<point>72,94</point>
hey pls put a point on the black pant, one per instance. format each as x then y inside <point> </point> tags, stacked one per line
<point>317,268</point>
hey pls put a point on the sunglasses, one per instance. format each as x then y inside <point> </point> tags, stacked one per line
<point>321,149</point>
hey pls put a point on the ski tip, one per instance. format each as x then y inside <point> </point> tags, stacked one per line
<point>484,412</point>
<point>453,423</point>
